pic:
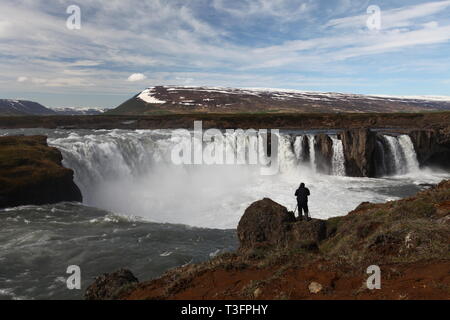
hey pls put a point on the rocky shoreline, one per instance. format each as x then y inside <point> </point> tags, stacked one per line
<point>31,173</point>
<point>281,258</point>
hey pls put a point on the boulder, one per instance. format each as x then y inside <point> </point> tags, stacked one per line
<point>109,286</point>
<point>264,223</point>
<point>31,173</point>
<point>268,224</point>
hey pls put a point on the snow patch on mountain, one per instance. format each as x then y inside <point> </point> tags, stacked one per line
<point>147,96</point>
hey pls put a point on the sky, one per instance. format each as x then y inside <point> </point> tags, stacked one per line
<point>122,47</point>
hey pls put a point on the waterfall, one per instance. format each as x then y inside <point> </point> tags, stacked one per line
<point>412,163</point>
<point>338,160</point>
<point>404,158</point>
<point>396,152</point>
<point>286,154</point>
<point>312,151</point>
<point>298,148</point>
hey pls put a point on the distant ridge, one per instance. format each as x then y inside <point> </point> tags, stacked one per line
<point>179,99</point>
<point>23,107</point>
<point>10,107</point>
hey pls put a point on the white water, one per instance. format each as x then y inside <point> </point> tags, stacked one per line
<point>338,161</point>
<point>412,164</point>
<point>396,151</point>
<point>130,172</point>
<point>404,155</point>
<point>312,152</point>
<point>298,148</point>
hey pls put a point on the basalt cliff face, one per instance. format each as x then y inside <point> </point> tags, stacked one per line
<point>367,152</point>
<point>359,152</point>
<point>31,173</point>
<point>281,258</point>
<point>432,146</point>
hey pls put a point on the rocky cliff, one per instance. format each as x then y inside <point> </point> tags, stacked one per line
<point>359,149</point>
<point>432,146</point>
<point>281,258</point>
<point>324,153</point>
<point>31,173</point>
<point>366,151</point>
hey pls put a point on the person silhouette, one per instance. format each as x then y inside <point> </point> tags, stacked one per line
<point>302,194</point>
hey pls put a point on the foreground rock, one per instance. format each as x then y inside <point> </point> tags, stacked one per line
<point>268,225</point>
<point>110,286</point>
<point>280,258</point>
<point>31,173</point>
<point>265,223</point>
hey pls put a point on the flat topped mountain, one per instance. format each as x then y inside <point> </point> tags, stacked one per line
<point>173,99</point>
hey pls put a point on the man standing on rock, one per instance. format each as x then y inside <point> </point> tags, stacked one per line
<point>302,194</point>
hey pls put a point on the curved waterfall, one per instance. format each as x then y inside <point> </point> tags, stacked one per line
<point>133,172</point>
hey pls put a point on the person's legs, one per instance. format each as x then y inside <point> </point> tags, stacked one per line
<point>300,206</point>
<point>306,210</point>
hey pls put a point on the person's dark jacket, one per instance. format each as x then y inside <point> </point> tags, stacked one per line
<point>302,194</point>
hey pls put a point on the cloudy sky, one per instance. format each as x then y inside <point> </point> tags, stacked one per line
<point>125,46</point>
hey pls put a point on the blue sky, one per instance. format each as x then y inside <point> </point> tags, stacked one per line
<point>126,46</point>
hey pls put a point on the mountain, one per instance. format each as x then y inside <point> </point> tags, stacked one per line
<point>10,107</point>
<point>174,99</point>
<point>23,107</point>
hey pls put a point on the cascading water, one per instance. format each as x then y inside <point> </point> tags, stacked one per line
<point>312,152</point>
<point>298,148</point>
<point>397,155</point>
<point>131,172</point>
<point>403,156</point>
<point>286,154</point>
<point>338,160</point>
<point>412,164</point>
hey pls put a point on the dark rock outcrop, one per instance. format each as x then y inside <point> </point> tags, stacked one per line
<point>324,153</point>
<point>308,234</point>
<point>268,224</point>
<point>109,286</point>
<point>31,173</point>
<point>264,223</point>
<point>432,147</point>
<point>359,152</point>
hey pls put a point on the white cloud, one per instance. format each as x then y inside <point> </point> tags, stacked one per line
<point>22,79</point>
<point>394,18</point>
<point>285,9</point>
<point>137,77</point>
<point>173,35</point>
<point>431,24</point>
